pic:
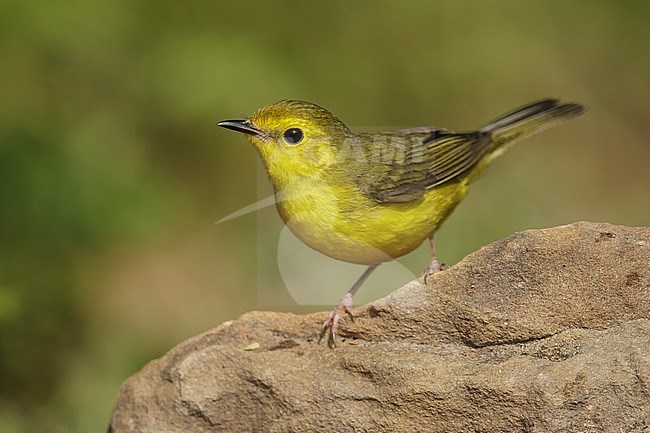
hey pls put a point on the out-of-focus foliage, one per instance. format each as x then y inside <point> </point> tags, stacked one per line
<point>112,172</point>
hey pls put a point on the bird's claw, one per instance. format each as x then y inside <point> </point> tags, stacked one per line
<point>332,321</point>
<point>433,268</point>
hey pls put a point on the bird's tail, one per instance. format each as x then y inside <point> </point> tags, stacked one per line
<point>526,121</point>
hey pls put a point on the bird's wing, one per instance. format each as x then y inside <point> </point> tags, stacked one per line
<point>401,167</point>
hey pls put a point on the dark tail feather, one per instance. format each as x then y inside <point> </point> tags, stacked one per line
<point>529,120</point>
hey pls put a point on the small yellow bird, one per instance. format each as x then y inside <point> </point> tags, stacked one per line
<point>368,198</point>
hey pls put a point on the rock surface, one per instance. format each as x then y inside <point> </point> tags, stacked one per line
<point>544,331</point>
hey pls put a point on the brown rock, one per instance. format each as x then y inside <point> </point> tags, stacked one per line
<point>545,331</point>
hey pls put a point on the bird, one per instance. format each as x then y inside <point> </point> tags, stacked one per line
<point>368,198</point>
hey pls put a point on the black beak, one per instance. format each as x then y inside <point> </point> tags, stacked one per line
<point>244,126</point>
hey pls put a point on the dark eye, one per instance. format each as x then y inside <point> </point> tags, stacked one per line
<point>293,135</point>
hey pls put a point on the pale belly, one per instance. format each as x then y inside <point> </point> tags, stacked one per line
<point>354,229</point>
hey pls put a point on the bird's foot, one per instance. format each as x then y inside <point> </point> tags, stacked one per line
<point>434,267</point>
<point>332,321</point>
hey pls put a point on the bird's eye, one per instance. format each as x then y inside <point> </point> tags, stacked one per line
<point>293,135</point>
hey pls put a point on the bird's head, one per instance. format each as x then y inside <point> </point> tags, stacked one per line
<point>293,138</point>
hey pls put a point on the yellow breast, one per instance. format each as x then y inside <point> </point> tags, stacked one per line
<point>340,222</point>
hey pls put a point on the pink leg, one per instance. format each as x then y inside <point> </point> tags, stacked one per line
<point>345,304</point>
<point>435,265</point>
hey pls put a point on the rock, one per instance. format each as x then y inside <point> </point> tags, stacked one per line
<point>545,331</point>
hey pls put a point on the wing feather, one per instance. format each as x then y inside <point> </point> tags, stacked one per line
<point>409,163</point>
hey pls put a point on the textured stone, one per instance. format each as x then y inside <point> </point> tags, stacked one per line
<point>544,331</point>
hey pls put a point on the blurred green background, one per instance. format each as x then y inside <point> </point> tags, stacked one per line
<point>113,173</point>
